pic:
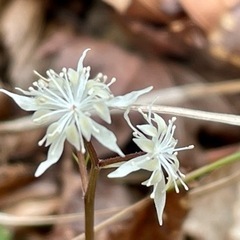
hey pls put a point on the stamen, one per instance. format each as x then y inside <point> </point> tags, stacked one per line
<point>184,148</point>
<point>40,76</point>
<point>113,80</point>
<point>40,143</point>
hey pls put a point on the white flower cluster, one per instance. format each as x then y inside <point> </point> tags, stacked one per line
<point>66,102</point>
<point>156,140</point>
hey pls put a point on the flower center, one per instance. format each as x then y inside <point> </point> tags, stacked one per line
<point>73,108</point>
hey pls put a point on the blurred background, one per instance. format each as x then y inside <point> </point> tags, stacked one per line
<point>164,43</point>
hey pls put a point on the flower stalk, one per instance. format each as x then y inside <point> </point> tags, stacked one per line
<point>118,160</point>
<point>89,198</point>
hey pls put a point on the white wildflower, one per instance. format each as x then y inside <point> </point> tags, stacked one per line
<point>66,102</point>
<point>156,139</point>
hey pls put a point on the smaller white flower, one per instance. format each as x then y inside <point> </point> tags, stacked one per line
<point>66,102</point>
<point>156,139</point>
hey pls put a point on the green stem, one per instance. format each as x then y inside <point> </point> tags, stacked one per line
<point>212,166</point>
<point>89,203</point>
<point>89,198</point>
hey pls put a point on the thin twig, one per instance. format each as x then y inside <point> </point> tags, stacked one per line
<point>191,113</point>
<point>21,221</point>
<point>214,186</point>
<point>167,96</point>
<point>24,124</point>
<point>212,166</point>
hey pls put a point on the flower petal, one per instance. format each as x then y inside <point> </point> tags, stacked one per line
<point>80,62</point>
<point>145,144</point>
<point>26,103</point>
<point>148,129</point>
<point>73,77</point>
<point>102,111</point>
<point>148,163</point>
<point>72,135</point>
<point>85,126</point>
<point>123,170</point>
<point>128,167</point>
<point>106,138</point>
<point>159,196</point>
<point>154,179</point>
<point>161,124</point>
<point>54,153</point>
<point>127,99</point>
<point>44,116</point>
<point>53,134</point>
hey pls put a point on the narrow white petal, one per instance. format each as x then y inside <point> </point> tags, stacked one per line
<point>148,129</point>
<point>26,103</point>
<point>161,124</point>
<point>150,164</point>
<point>45,165</point>
<point>80,62</point>
<point>140,160</point>
<point>72,135</point>
<point>127,99</point>
<point>58,128</point>
<point>106,138</point>
<point>154,178</point>
<point>159,197</point>
<point>56,148</point>
<point>52,134</point>
<point>123,170</point>
<point>85,126</point>
<point>54,153</point>
<point>43,116</point>
<point>145,144</point>
<point>102,111</point>
<point>80,91</point>
<point>73,77</point>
